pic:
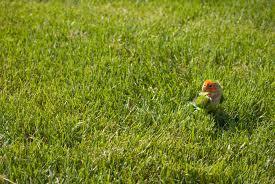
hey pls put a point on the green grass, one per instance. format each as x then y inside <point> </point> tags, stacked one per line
<point>97,91</point>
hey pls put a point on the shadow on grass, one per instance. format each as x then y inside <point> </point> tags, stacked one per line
<point>223,120</point>
<point>238,121</point>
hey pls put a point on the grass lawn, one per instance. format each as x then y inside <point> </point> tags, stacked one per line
<point>97,91</point>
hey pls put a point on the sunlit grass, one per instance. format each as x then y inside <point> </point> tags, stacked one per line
<point>97,91</point>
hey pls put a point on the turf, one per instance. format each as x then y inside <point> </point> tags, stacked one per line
<point>97,91</point>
